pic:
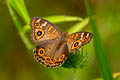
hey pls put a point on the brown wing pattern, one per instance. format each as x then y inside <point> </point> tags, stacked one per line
<point>51,50</point>
<point>51,54</point>
<point>78,39</point>
<point>43,30</point>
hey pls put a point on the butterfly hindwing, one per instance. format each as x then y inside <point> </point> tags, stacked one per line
<point>77,40</point>
<point>51,53</point>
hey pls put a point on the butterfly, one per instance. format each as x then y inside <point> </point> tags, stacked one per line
<point>52,46</point>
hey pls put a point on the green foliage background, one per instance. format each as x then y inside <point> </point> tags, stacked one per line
<point>16,59</point>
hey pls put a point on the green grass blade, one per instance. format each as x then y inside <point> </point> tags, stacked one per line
<point>62,18</point>
<point>19,28</point>
<point>26,41</point>
<point>20,8</point>
<point>100,53</point>
<point>16,21</point>
<point>79,26</point>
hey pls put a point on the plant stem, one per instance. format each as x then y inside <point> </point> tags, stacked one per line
<point>75,75</point>
<point>100,53</point>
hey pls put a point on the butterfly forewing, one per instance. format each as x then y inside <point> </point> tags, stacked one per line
<point>43,30</point>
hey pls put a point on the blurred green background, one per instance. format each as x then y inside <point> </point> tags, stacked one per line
<point>18,63</point>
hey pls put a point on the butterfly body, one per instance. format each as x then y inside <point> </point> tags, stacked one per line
<point>53,47</point>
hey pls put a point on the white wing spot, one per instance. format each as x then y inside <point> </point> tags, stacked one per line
<point>36,30</point>
<point>82,36</point>
<point>38,21</point>
<point>45,23</point>
<point>87,35</point>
